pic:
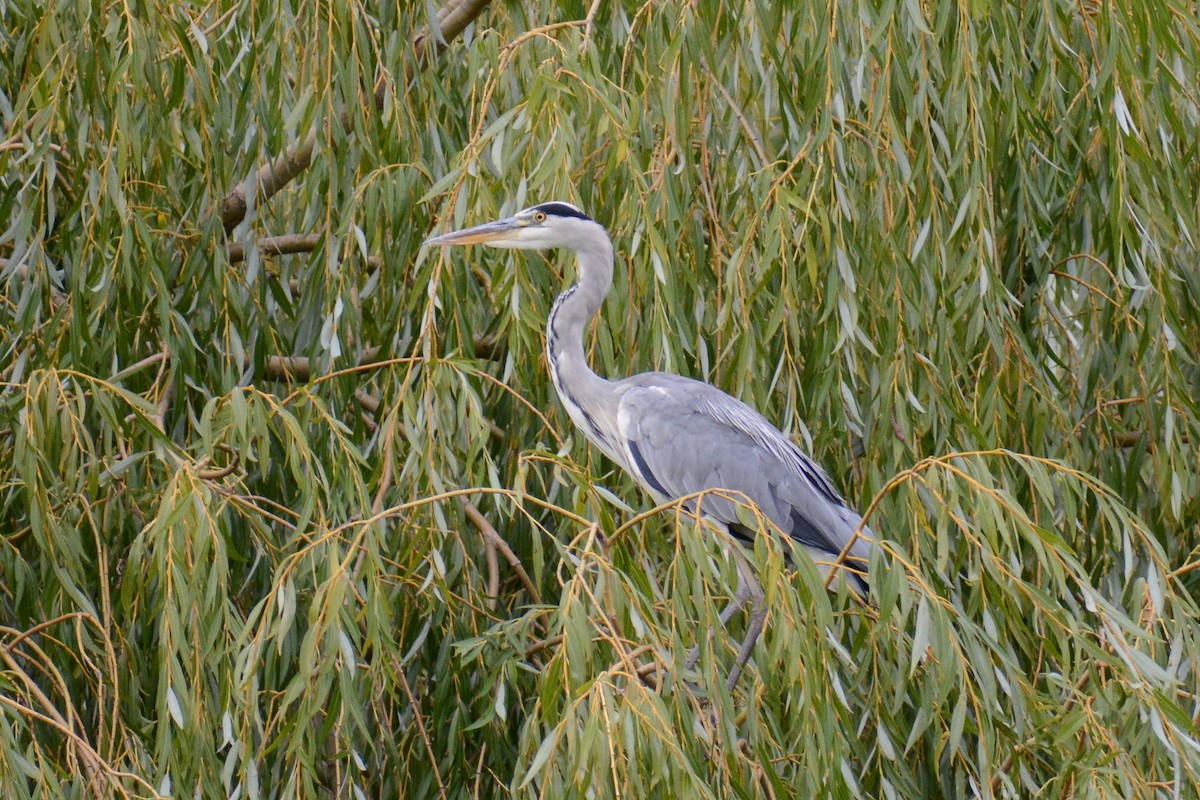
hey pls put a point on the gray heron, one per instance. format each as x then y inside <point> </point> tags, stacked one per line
<point>678,437</point>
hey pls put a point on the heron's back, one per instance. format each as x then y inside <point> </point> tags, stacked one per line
<point>682,436</point>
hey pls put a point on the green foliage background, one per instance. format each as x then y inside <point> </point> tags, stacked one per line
<point>314,525</point>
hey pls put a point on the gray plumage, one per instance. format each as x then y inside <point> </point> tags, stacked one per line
<point>685,436</point>
<point>675,435</point>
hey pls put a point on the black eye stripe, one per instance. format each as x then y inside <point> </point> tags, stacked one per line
<point>561,210</point>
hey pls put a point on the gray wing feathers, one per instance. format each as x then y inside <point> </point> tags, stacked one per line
<point>682,436</point>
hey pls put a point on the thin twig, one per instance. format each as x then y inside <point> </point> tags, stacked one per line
<point>370,403</point>
<point>751,134</point>
<point>412,702</point>
<point>1068,704</point>
<point>216,473</point>
<point>21,635</point>
<point>94,763</point>
<point>149,360</point>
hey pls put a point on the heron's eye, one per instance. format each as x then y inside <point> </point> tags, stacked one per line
<point>539,216</point>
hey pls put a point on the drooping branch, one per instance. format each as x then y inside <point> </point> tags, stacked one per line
<point>496,540</point>
<point>453,18</point>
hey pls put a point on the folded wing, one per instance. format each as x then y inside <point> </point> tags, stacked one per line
<point>681,436</point>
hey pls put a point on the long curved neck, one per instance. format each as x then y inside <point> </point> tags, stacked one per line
<point>589,399</point>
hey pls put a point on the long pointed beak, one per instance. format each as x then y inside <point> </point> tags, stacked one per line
<point>481,234</point>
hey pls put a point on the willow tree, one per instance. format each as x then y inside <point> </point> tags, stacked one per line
<point>289,508</point>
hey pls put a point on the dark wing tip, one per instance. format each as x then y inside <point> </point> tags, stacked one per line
<point>639,462</point>
<point>558,208</point>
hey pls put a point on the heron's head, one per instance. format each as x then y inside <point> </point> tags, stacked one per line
<point>555,224</point>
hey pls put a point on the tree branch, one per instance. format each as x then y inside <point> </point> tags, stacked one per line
<point>490,535</point>
<point>276,245</point>
<point>298,368</point>
<point>287,244</point>
<point>269,179</point>
<point>452,19</point>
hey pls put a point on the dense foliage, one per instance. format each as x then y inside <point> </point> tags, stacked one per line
<point>288,507</point>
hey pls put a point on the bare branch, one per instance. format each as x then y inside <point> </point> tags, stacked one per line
<point>276,245</point>
<point>369,402</point>
<point>216,473</point>
<point>164,404</point>
<point>490,534</point>
<point>493,569</point>
<point>298,368</point>
<point>269,180</point>
<point>453,18</point>
<point>288,244</point>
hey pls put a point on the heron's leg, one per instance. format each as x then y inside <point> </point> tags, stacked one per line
<point>758,614</point>
<point>743,593</point>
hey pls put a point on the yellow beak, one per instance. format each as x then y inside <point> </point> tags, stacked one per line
<point>481,234</point>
